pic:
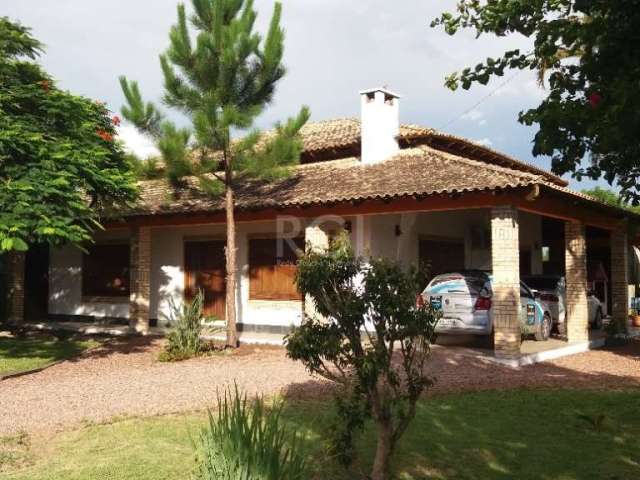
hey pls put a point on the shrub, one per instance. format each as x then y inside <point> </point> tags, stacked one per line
<point>372,340</point>
<point>184,339</point>
<point>247,441</point>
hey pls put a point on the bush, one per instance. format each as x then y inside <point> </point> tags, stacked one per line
<point>247,441</point>
<point>371,339</point>
<point>184,339</point>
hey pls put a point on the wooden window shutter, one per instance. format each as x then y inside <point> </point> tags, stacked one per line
<point>272,277</point>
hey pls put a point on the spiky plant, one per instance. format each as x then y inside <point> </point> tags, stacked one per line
<point>247,441</point>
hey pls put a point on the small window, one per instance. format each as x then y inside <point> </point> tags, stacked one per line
<point>546,254</point>
<point>105,271</point>
<point>272,268</point>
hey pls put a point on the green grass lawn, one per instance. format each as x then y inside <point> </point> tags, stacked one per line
<point>21,354</point>
<point>490,435</point>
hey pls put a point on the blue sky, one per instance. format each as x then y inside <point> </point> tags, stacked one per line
<point>334,48</point>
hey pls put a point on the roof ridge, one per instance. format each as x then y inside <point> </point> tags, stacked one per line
<point>477,163</point>
<point>416,131</point>
<point>510,158</point>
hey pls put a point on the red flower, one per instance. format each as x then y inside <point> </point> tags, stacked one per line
<point>116,120</point>
<point>595,99</point>
<point>104,135</point>
<point>45,85</point>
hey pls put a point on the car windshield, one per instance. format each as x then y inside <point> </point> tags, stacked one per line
<point>542,283</point>
<point>458,283</point>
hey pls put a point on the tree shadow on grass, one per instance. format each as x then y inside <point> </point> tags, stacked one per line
<point>123,346</point>
<point>39,347</point>
<point>541,422</point>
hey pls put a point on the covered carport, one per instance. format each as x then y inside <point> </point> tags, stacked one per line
<point>579,235</point>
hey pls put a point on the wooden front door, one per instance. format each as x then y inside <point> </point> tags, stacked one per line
<point>205,270</point>
<point>441,256</point>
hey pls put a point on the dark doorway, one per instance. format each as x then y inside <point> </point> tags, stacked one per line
<point>442,255</point>
<point>553,260</point>
<point>36,283</point>
<point>205,270</point>
<point>525,262</point>
<point>599,264</point>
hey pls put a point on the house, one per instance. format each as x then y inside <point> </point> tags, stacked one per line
<point>402,191</point>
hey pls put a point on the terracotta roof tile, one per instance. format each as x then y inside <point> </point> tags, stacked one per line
<point>344,133</point>
<point>430,162</point>
<point>420,170</point>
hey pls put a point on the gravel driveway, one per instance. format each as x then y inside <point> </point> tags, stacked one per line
<point>124,378</point>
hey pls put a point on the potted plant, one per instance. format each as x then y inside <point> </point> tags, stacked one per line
<point>635,318</point>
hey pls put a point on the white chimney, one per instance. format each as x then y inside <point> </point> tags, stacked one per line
<point>380,124</point>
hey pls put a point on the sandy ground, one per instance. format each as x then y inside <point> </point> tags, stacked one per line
<point>124,378</point>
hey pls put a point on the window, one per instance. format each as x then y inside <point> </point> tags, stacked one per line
<point>272,268</point>
<point>105,271</point>
<point>546,254</point>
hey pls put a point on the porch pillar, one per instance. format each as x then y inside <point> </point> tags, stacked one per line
<point>620,278</point>
<point>505,261</point>
<point>140,261</point>
<point>16,265</point>
<point>316,240</point>
<point>577,313</point>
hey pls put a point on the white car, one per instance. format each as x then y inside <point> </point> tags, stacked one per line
<point>552,290</point>
<point>465,300</point>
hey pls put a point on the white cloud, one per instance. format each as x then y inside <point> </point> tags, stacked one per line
<point>334,48</point>
<point>135,142</point>
<point>476,116</point>
<point>485,142</point>
<point>473,115</point>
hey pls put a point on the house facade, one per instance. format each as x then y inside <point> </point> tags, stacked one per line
<point>404,192</point>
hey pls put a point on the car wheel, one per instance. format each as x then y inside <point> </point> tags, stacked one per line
<point>544,330</point>
<point>597,321</point>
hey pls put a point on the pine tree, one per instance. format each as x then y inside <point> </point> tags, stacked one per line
<point>221,79</point>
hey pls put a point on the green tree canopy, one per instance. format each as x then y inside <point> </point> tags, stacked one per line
<point>610,198</point>
<point>588,49</point>
<point>59,164</point>
<point>221,77</point>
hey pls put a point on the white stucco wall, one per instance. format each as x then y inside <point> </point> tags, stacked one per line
<point>65,284</point>
<point>168,274</point>
<point>452,225</point>
<point>371,235</point>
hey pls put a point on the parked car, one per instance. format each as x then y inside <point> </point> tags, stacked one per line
<point>552,290</point>
<point>465,299</point>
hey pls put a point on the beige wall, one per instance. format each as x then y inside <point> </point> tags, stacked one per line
<point>458,225</point>
<point>371,235</point>
<point>65,283</point>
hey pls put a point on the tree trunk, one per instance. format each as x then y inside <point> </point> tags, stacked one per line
<point>384,448</point>
<point>232,332</point>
